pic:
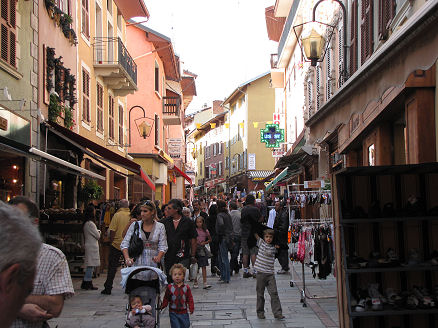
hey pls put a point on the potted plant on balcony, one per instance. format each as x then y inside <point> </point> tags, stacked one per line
<point>50,6</point>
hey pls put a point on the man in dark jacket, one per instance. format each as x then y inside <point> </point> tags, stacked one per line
<point>250,220</point>
<point>281,227</point>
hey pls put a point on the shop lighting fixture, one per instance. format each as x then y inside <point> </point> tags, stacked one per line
<point>14,180</point>
<point>15,167</point>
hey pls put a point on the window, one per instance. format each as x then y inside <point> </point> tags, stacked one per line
<point>386,15</point>
<point>121,125</point>
<point>371,155</point>
<point>85,96</point>
<point>109,6</point>
<point>219,172</point>
<point>207,173</point>
<point>220,148</point>
<point>245,159</point>
<point>157,130</point>
<point>353,39</point>
<point>111,117</point>
<point>64,5</point>
<point>214,149</point>
<point>200,170</point>
<point>99,102</point>
<point>8,31</point>
<point>366,30</point>
<point>119,21</point>
<point>157,77</point>
<point>227,162</point>
<point>85,18</point>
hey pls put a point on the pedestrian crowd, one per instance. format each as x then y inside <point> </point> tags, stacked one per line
<point>223,234</point>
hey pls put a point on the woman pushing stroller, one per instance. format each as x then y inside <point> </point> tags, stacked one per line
<point>153,234</point>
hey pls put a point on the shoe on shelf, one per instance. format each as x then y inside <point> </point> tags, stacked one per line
<point>106,292</point>
<point>261,316</point>
<point>282,271</point>
<point>247,275</point>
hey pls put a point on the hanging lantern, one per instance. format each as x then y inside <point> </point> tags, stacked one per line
<point>144,129</point>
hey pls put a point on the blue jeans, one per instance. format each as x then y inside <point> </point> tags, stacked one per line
<point>88,273</point>
<point>224,263</point>
<point>178,320</point>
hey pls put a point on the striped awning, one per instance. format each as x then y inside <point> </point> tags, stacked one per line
<point>259,175</point>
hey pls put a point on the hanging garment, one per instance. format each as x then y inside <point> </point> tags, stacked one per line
<point>301,252</point>
<point>323,253</point>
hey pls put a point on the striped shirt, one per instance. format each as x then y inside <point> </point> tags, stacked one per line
<point>265,257</point>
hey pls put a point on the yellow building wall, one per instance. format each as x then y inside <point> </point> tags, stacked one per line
<point>85,60</point>
<point>261,104</point>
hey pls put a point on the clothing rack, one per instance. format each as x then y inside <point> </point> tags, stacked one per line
<point>303,292</point>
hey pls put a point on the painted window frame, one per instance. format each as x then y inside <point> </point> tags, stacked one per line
<point>111,104</point>
<point>99,107</point>
<point>85,18</point>
<point>86,104</point>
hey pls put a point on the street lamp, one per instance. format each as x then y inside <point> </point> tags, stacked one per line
<point>144,128</point>
<point>314,45</point>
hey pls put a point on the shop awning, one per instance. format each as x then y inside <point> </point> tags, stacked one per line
<point>277,179</point>
<point>259,175</point>
<point>181,173</point>
<point>91,148</point>
<point>65,163</point>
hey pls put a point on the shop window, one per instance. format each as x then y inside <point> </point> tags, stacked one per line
<point>366,30</point>
<point>85,96</point>
<point>111,117</point>
<point>99,102</point>
<point>85,17</point>
<point>386,15</point>
<point>121,125</point>
<point>8,32</point>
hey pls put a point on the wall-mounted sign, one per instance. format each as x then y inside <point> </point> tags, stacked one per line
<point>272,135</point>
<point>277,152</point>
<point>251,161</point>
<point>278,119</point>
<point>314,184</point>
<point>174,147</point>
<point>14,127</point>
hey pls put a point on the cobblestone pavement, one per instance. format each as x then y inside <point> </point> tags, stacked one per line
<point>229,305</point>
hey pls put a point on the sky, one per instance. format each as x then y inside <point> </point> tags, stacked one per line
<point>224,42</point>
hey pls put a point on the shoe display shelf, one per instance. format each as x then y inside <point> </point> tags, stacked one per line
<point>381,208</point>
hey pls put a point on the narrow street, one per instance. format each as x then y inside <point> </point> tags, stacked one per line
<point>231,305</point>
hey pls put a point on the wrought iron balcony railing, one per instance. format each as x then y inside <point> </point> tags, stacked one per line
<point>112,51</point>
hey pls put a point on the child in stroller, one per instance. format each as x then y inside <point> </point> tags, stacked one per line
<point>143,309</point>
<point>140,315</point>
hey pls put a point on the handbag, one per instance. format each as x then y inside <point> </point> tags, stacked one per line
<point>207,251</point>
<point>135,244</point>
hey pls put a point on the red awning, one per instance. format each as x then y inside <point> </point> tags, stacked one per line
<point>181,173</point>
<point>106,154</point>
<point>148,180</point>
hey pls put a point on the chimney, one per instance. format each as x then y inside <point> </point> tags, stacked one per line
<point>217,109</point>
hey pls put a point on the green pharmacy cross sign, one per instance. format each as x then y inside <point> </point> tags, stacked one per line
<point>272,135</point>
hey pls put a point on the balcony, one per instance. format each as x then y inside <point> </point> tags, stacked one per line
<point>115,65</point>
<point>171,111</point>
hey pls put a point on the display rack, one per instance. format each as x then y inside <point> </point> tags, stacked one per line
<point>410,226</point>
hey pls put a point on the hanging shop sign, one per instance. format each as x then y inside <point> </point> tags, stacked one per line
<point>278,119</point>
<point>314,184</point>
<point>213,169</point>
<point>251,161</point>
<point>14,127</point>
<point>272,135</point>
<point>277,152</point>
<point>174,147</point>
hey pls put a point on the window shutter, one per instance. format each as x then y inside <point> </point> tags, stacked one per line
<point>111,117</point>
<point>8,32</point>
<point>157,131</point>
<point>85,96</point>
<point>99,107</point>
<point>85,18</point>
<point>341,50</point>
<point>366,30</point>
<point>120,125</point>
<point>318,87</point>
<point>353,39</point>
<point>386,14</point>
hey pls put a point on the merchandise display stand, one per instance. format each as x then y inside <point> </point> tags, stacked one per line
<point>389,209</point>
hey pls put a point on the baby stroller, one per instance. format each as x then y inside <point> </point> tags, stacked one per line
<point>153,281</point>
